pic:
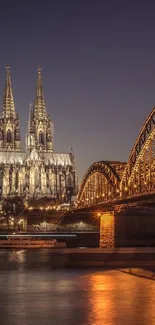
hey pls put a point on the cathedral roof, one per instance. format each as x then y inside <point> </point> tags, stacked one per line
<point>56,159</point>
<point>63,159</point>
<point>34,155</point>
<point>12,157</point>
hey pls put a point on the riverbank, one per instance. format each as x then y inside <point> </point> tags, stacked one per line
<point>109,257</point>
<point>142,273</point>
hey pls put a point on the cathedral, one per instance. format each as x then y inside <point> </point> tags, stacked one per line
<point>38,171</point>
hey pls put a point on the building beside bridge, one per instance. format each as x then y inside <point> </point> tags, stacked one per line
<point>38,171</point>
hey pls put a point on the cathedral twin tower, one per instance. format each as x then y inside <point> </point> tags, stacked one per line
<point>36,171</point>
<point>40,129</point>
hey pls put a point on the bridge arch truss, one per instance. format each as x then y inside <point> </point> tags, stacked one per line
<point>139,174</point>
<point>100,183</point>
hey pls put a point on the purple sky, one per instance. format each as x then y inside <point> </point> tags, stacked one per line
<point>98,67</point>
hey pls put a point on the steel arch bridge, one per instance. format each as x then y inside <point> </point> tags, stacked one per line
<point>101,182</point>
<point>107,181</point>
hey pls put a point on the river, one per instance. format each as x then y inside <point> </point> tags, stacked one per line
<point>32,292</point>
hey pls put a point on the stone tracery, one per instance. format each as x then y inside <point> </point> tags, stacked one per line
<point>37,171</point>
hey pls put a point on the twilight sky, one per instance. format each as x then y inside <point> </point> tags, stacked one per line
<point>98,67</point>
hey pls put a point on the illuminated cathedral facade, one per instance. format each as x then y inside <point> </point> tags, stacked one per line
<point>37,171</point>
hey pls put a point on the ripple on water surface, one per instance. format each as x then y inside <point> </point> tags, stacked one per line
<point>33,293</point>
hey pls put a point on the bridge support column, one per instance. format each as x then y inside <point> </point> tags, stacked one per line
<point>107,230</point>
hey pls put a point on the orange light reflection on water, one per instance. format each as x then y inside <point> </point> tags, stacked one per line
<point>101,303</point>
<point>116,298</point>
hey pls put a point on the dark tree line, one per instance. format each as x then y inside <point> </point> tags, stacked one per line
<point>13,207</point>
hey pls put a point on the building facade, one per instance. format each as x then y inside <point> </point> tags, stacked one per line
<point>37,171</point>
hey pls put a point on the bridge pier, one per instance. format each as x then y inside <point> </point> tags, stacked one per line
<point>107,229</point>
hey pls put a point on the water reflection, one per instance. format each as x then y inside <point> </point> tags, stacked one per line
<point>34,293</point>
<point>121,300</point>
<point>100,298</point>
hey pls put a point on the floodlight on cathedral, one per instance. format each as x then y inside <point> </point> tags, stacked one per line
<point>37,171</point>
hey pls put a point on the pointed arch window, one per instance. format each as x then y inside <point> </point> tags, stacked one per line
<point>9,136</point>
<point>41,138</point>
<point>69,180</point>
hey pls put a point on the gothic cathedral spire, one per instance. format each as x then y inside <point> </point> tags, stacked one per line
<point>9,121</point>
<point>39,103</point>
<point>8,108</point>
<point>40,133</point>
